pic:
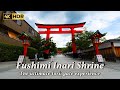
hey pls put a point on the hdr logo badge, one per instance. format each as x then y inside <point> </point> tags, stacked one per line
<point>13,16</point>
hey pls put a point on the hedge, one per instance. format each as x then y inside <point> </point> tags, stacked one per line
<point>11,52</point>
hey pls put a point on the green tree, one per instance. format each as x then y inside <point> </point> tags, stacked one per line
<point>82,40</point>
<point>64,50</point>
<point>102,39</point>
<point>36,43</point>
<point>53,47</point>
<point>68,47</point>
<point>48,44</point>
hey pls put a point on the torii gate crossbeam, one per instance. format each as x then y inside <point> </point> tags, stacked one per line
<point>60,26</point>
<point>60,32</point>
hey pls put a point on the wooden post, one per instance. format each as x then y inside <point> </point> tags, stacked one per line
<point>114,51</point>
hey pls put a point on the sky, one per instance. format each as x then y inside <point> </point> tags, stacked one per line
<point>104,21</point>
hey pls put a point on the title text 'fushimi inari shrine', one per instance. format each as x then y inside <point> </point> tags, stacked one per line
<point>72,31</point>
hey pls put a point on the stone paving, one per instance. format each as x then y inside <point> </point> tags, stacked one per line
<point>110,71</point>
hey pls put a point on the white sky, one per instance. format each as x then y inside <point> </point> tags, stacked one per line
<point>104,21</point>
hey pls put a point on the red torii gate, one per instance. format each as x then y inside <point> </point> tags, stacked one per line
<point>60,26</point>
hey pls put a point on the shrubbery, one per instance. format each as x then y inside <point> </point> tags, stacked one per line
<point>11,53</point>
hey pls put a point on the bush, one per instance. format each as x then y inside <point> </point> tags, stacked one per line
<point>11,52</point>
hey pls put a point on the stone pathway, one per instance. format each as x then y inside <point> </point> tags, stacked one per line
<point>52,73</point>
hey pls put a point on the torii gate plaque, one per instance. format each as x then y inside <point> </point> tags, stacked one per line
<point>60,26</point>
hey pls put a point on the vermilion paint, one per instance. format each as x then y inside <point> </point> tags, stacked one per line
<point>96,49</point>
<point>60,26</point>
<point>26,45</point>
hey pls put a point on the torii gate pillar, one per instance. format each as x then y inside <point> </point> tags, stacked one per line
<point>48,34</point>
<point>73,43</point>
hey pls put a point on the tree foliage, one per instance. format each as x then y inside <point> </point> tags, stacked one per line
<point>42,44</point>
<point>102,39</point>
<point>82,40</point>
<point>36,43</point>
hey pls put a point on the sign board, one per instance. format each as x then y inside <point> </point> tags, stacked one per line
<point>99,58</point>
<point>20,59</point>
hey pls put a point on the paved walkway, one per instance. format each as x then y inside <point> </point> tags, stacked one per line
<point>111,71</point>
<point>5,66</point>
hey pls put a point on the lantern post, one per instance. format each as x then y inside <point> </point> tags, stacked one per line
<point>96,41</point>
<point>25,41</point>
